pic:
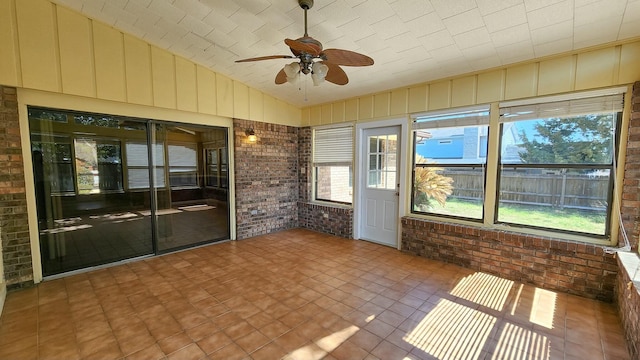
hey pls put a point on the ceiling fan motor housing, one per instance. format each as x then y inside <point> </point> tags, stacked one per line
<point>305,4</point>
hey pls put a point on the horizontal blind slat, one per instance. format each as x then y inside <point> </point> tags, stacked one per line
<point>333,145</point>
<point>567,108</point>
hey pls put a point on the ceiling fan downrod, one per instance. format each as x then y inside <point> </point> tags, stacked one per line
<point>305,5</point>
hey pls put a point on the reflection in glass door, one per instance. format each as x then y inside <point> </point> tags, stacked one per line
<point>192,202</point>
<point>94,201</point>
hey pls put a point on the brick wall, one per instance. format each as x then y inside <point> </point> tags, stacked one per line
<point>630,208</point>
<point>14,225</point>
<point>628,299</point>
<point>266,174</point>
<point>327,219</point>
<point>628,303</point>
<point>575,268</point>
<point>572,267</point>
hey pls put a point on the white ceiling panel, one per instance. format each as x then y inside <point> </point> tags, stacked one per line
<point>411,41</point>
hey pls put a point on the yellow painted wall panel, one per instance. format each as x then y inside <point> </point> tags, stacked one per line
<point>224,95</point>
<point>270,110</point>
<point>38,45</point>
<point>76,60</point>
<point>418,98</point>
<point>381,103</point>
<point>9,53</point>
<point>293,114</point>
<point>365,107</point>
<point>351,110</point>
<point>256,105</point>
<point>240,100</point>
<point>186,85</point>
<point>629,63</point>
<point>440,95</point>
<point>521,81</point>
<point>285,114</point>
<point>315,116</point>
<point>164,78</point>
<point>305,117</point>
<point>109,61</point>
<point>337,115</point>
<point>206,80</point>
<point>399,99</point>
<point>596,68</point>
<point>137,59</point>
<point>326,112</point>
<point>557,75</point>
<point>490,87</point>
<point>463,91</point>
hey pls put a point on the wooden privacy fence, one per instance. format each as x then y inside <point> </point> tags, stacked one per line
<point>573,191</point>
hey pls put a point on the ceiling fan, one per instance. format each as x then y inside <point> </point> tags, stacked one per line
<point>323,64</point>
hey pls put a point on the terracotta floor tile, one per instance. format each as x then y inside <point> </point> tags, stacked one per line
<point>189,352</point>
<point>229,352</point>
<point>387,350</point>
<point>102,344</point>
<point>174,343</point>
<point>274,329</point>
<point>291,341</point>
<point>252,342</point>
<point>380,328</point>
<point>214,342</point>
<point>239,330</point>
<point>269,352</point>
<point>349,351</point>
<point>63,350</point>
<point>136,342</point>
<point>295,294</point>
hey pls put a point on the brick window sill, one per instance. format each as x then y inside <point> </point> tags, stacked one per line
<point>631,263</point>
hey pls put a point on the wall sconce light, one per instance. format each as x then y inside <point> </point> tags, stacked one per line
<point>251,135</point>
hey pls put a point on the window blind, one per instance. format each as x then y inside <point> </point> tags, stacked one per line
<point>565,108</point>
<point>452,118</point>
<point>333,146</point>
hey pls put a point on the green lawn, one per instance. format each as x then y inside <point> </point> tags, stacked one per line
<point>568,219</point>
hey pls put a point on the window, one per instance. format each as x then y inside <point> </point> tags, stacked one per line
<point>449,162</point>
<point>552,160</point>
<point>332,164</point>
<point>53,154</point>
<point>98,165</point>
<point>216,167</point>
<point>556,164</point>
<point>183,168</point>
<point>138,165</point>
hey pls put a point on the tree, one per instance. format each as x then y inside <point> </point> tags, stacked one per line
<point>584,139</point>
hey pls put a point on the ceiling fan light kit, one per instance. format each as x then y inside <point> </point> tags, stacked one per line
<point>312,59</point>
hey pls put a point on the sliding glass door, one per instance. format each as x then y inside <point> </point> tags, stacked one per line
<point>110,188</point>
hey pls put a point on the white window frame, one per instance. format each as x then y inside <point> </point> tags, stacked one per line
<point>454,118</point>
<point>342,156</point>
<point>493,151</point>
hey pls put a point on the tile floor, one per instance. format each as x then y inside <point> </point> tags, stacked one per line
<point>298,294</point>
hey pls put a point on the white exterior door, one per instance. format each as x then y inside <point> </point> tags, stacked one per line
<point>380,185</point>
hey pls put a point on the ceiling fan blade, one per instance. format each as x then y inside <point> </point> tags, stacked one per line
<point>281,78</point>
<point>299,47</point>
<point>347,58</point>
<point>266,58</point>
<point>335,74</point>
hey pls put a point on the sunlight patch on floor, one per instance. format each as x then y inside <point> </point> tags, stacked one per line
<point>517,343</point>
<point>323,346</point>
<point>452,331</point>
<point>544,308</point>
<point>484,289</point>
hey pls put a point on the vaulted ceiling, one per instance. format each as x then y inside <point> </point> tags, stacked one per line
<point>411,41</point>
